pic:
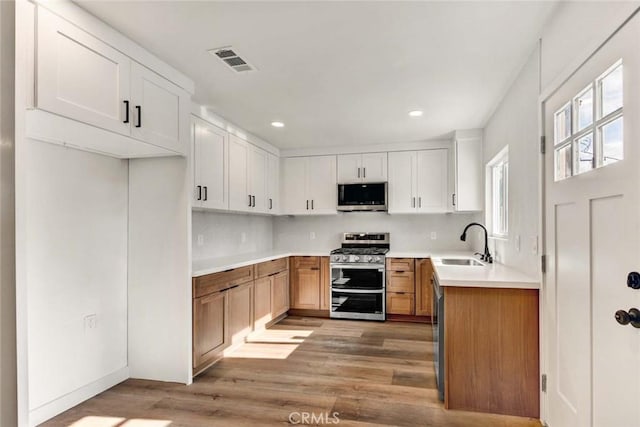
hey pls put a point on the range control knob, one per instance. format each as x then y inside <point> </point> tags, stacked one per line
<point>343,258</point>
<point>368,258</point>
<point>355,258</point>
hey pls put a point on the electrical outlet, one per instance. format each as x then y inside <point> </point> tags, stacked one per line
<point>312,235</point>
<point>243,237</point>
<point>517,243</point>
<point>90,322</point>
<point>200,239</point>
<point>434,235</point>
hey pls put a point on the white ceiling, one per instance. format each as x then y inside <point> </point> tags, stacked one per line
<point>341,72</point>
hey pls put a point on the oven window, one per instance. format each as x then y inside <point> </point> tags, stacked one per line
<point>343,302</point>
<point>357,278</point>
<point>361,194</point>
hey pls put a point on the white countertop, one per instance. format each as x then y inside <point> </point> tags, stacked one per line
<point>214,265</point>
<point>485,276</point>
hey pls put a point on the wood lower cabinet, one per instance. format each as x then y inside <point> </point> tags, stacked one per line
<point>210,328</point>
<point>310,277</point>
<point>400,303</point>
<point>240,313</point>
<point>401,286</point>
<point>424,287</point>
<point>492,350</point>
<point>262,303</point>
<point>280,294</point>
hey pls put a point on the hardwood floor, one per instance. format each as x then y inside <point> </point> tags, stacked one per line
<point>368,373</point>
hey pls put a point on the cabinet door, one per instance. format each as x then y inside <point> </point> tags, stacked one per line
<point>305,289</point>
<point>374,167</point>
<point>280,294</point>
<point>424,287</point>
<point>262,303</point>
<point>210,162</point>
<point>257,178</point>
<point>325,284</point>
<point>160,110</point>
<point>273,184</point>
<point>240,313</point>
<point>349,168</point>
<point>469,175</point>
<point>238,186</point>
<point>398,303</point>
<point>210,328</point>
<point>433,181</point>
<point>402,182</point>
<point>322,188</point>
<point>80,77</point>
<point>293,185</point>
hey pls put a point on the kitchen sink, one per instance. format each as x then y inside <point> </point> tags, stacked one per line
<point>461,261</point>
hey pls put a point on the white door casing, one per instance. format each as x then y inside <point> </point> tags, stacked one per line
<point>592,228</point>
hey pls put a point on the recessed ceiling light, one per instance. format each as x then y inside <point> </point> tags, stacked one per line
<point>277,124</point>
<point>415,113</point>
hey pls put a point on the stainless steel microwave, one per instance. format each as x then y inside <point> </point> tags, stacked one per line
<point>362,197</point>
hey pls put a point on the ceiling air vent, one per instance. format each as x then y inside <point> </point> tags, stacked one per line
<point>230,57</point>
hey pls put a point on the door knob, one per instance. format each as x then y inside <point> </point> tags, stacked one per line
<point>632,316</point>
<point>633,280</point>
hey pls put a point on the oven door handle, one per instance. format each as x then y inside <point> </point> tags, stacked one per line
<point>359,266</point>
<point>358,291</point>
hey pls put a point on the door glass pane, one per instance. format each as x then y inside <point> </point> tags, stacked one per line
<point>356,278</point>
<point>584,153</point>
<point>611,91</point>
<point>584,109</point>
<point>343,302</point>
<point>563,162</point>
<point>612,142</point>
<point>562,123</point>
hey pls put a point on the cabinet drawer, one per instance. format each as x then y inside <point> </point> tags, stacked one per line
<point>217,281</point>
<point>306,262</point>
<point>401,281</point>
<point>271,267</point>
<point>399,303</point>
<point>400,264</point>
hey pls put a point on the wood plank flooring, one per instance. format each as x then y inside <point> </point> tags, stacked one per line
<point>369,373</point>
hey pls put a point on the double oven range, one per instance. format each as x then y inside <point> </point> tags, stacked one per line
<point>358,277</point>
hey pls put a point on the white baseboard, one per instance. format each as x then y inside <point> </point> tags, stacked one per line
<point>55,407</point>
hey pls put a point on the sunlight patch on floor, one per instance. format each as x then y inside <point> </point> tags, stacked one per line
<point>271,344</point>
<point>95,421</point>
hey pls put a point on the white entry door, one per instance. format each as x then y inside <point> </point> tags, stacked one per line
<point>592,226</point>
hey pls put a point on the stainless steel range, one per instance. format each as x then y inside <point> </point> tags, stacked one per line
<point>358,277</point>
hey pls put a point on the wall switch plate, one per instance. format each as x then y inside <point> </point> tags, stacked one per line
<point>243,237</point>
<point>434,235</point>
<point>90,322</point>
<point>517,243</point>
<point>312,235</point>
<point>200,239</point>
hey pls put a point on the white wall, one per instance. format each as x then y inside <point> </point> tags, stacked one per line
<point>408,232</point>
<point>8,410</point>
<point>76,263</point>
<point>515,123</point>
<point>227,234</point>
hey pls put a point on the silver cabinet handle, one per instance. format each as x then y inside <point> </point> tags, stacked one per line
<point>307,205</point>
<point>358,172</point>
<point>270,204</point>
<point>364,172</point>
<point>419,202</point>
<point>453,199</point>
<point>311,204</point>
<point>413,202</point>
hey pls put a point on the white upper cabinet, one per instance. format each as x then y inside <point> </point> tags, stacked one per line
<point>210,165</point>
<point>273,184</point>
<point>370,167</point>
<point>239,199</point>
<point>418,181</point>
<point>91,96</point>
<point>309,185</point>
<point>80,77</point>
<point>160,110</point>
<point>257,179</point>
<point>469,177</point>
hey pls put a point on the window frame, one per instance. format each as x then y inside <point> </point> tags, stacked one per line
<point>500,160</point>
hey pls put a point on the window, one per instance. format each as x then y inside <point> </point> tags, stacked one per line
<point>588,131</point>
<point>498,186</point>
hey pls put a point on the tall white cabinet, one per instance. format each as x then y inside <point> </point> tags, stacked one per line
<point>210,166</point>
<point>468,172</point>
<point>419,181</point>
<point>309,185</point>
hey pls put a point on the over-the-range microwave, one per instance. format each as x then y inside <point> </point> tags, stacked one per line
<point>362,197</point>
